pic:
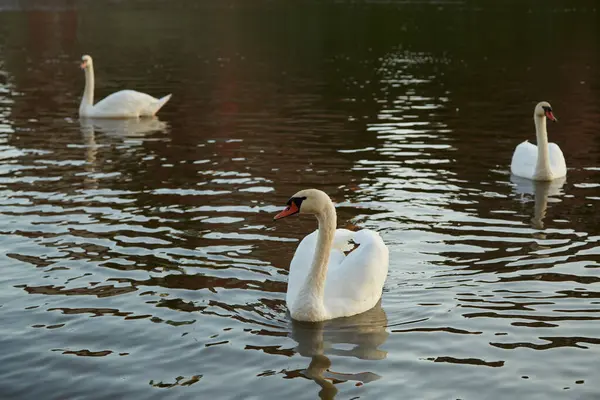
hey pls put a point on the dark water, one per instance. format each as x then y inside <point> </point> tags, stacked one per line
<point>140,260</point>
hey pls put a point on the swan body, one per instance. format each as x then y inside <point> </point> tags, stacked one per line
<point>122,104</point>
<point>325,283</point>
<point>545,161</point>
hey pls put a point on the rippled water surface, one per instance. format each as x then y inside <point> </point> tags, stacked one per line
<point>139,259</point>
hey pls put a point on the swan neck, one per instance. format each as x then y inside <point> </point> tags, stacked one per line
<point>88,92</point>
<point>315,281</point>
<point>542,168</point>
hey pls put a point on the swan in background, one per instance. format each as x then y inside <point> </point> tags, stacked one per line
<point>122,104</point>
<point>545,161</point>
<point>541,191</point>
<point>324,283</point>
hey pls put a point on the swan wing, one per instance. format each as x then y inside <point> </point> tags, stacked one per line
<point>300,266</point>
<point>558,164</point>
<point>304,255</point>
<point>128,103</point>
<point>524,160</point>
<point>355,284</point>
<point>343,240</point>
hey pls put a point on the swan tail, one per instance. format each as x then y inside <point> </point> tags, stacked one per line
<point>160,103</point>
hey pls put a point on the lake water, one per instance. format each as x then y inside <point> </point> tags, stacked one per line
<point>140,260</point>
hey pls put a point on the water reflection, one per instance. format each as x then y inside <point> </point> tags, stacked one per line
<point>171,236</point>
<point>358,336</point>
<point>123,127</point>
<point>118,129</point>
<point>6,102</point>
<point>91,151</point>
<point>542,193</point>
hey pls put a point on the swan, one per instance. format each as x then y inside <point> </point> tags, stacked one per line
<point>122,104</point>
<point>545,161</point>
<point>324,283</point>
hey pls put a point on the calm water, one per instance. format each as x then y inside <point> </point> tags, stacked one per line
<point>140,260</point>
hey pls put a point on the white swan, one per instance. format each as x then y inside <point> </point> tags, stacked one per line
<point>122,104</point>
<point>545,161</point>
<point>325,283</point>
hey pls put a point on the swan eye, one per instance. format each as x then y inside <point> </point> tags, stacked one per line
<point>296,200</point>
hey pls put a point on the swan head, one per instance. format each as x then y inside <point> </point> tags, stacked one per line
<point>544,109</point>
<point>307,201</point>
<point>86,62</point>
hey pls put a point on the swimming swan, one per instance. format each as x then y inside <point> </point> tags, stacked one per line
<point>545,161</point>
<point>122,104</point>
<point>325,283</point>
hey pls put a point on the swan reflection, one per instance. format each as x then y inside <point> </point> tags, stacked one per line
<point>120,128</point>
<point>358,336</point>
<point>541,191</point>
<point>91,151</point>
<point>123,127</point>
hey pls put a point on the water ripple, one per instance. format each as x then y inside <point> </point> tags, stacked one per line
<point>151,242</point>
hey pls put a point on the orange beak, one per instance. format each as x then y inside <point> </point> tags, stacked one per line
<point>289,210</point>
<point>83,65</point>
<point>551,116</point>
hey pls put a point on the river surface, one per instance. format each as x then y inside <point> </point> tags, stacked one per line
<point>139,259</point>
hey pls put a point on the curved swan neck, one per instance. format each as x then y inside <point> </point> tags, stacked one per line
<point>542,168</point>
<point>88,92</point>
<point>314,286</point>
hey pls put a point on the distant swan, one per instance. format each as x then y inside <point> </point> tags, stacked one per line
<point>122,104</point>
<point>324,283</point>
<point>545,161</point>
